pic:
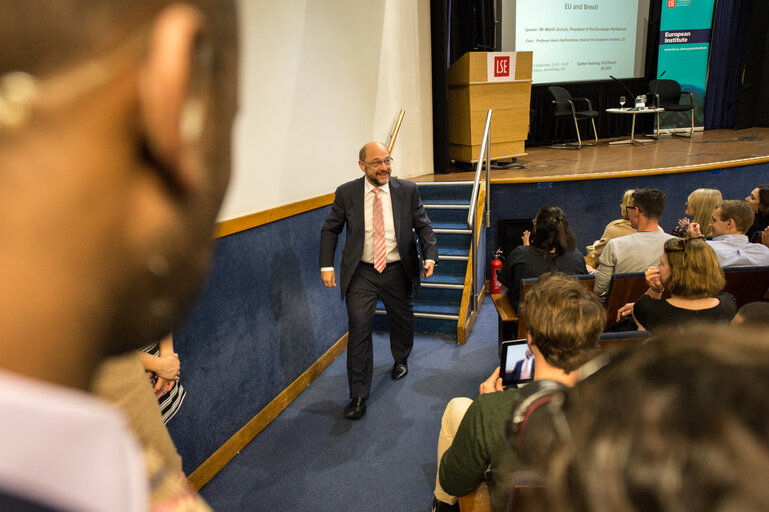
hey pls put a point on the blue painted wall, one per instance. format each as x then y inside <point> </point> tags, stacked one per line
<point>264,316</point>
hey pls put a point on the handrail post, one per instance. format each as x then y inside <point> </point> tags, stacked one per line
<point>471,223</point>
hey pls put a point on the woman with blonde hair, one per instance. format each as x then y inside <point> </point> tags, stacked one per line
<point>615,229</point>
<point>689,269</point>
<point>699,205</point>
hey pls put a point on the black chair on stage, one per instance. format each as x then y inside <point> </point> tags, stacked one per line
<point>668,94</point>
<point>565,107</point>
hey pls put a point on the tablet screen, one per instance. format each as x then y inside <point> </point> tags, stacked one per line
<point>517,364</point>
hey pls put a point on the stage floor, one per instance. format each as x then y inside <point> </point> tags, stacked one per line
<point>711,149</point>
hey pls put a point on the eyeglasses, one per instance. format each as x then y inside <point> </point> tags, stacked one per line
<point>378,163</point>
<point>631,207</point>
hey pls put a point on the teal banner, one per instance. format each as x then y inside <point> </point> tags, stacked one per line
<point>683,52</point>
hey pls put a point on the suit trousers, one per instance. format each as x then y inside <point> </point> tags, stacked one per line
<point>393,287</point>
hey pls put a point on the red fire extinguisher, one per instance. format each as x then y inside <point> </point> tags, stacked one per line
<point>496,267</point>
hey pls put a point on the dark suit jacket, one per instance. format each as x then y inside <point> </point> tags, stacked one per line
<point>408,213</point>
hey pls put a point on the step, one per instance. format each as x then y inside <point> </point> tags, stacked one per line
<point>432,192</point>
<point>435,310</point>
<point>446,281</point>
<point>451,213</point>
<point>454,253</point>
<point>457,228</point>
<point>447,204</point>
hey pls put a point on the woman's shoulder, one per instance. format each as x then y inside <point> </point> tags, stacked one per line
<point>726,299</point>
<point>646,300</point>
<point>619,227</point>
<point>520,252</point>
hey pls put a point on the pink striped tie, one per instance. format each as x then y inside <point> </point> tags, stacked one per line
<point>377,219</point>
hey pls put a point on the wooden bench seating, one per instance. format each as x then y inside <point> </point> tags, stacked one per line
<point>747,284</point>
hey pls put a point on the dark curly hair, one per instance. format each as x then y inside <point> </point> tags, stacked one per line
<point>551,230</point>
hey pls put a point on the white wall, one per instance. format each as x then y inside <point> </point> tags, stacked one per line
<point>319,78</point>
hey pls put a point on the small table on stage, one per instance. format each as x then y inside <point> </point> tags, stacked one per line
<point>633,112</point>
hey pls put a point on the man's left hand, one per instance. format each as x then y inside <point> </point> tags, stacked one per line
<point>428,269</point>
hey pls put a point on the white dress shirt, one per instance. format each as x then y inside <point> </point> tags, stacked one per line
<point>737,251</point>
<point>391,244</point>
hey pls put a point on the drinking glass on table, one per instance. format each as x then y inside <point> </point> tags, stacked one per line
<point>622,102</point>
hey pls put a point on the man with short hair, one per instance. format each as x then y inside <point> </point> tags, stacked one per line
<point>115,121</point>
<point>638,251</point>
<point>565,321</point>
<point>730,221</point>
<point>379,260</point>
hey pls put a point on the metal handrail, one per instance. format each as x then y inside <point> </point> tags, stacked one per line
<point>471,224</point>
<point>394,134</point>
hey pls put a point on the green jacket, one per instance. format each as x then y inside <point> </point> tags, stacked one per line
<point>480,450</point>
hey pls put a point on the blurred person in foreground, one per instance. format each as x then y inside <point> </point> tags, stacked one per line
<point>678,424</point>
<point>115,121</point>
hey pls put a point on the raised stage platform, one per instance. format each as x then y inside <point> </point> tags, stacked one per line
<point>711,149</point>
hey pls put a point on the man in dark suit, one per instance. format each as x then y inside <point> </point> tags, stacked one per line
<point>521,372</point>
<point>379,260</point>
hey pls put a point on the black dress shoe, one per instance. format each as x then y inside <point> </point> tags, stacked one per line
<point>356,409</point>
<point>399,371</point>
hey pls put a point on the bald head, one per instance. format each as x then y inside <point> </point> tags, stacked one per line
<point>375,162</point>
<point>362,154</point>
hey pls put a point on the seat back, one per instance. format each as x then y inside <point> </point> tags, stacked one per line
<point>527,494</point>
<point>476,501</point>
<point>586,280</point>
<point>625,287</point>
<point>747,284</point>
<point>561,95</point>
<point>620,340</point>
<point>669,91</point>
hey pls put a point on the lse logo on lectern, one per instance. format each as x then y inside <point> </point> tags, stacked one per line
<point>671,4</point>
<point>502,66</point>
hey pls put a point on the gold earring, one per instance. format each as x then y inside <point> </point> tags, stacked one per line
<point>18,91</point>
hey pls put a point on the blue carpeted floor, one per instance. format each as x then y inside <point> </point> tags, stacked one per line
<point>311,458</point>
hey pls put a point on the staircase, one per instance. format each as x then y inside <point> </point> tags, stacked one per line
<point>437,306</point>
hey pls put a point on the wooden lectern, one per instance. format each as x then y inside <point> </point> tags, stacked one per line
<point>480,81</point>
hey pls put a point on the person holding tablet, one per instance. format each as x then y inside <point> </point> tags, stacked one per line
<point>565,321</point>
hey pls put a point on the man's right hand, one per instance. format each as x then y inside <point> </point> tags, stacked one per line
<point>328,277</point>
<point>492,384</point>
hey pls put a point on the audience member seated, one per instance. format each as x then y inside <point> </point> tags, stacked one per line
<point>753,314</point>
<point>638,251</point>
<point>163,368</point>
<point>699,205</point>
<point>679,424</point>
<point>689,269</point>
<point>614,229</point>
<point>730,220</point>
<point>565,321</point>
<point>553,249</point>
<point>759,203</point>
